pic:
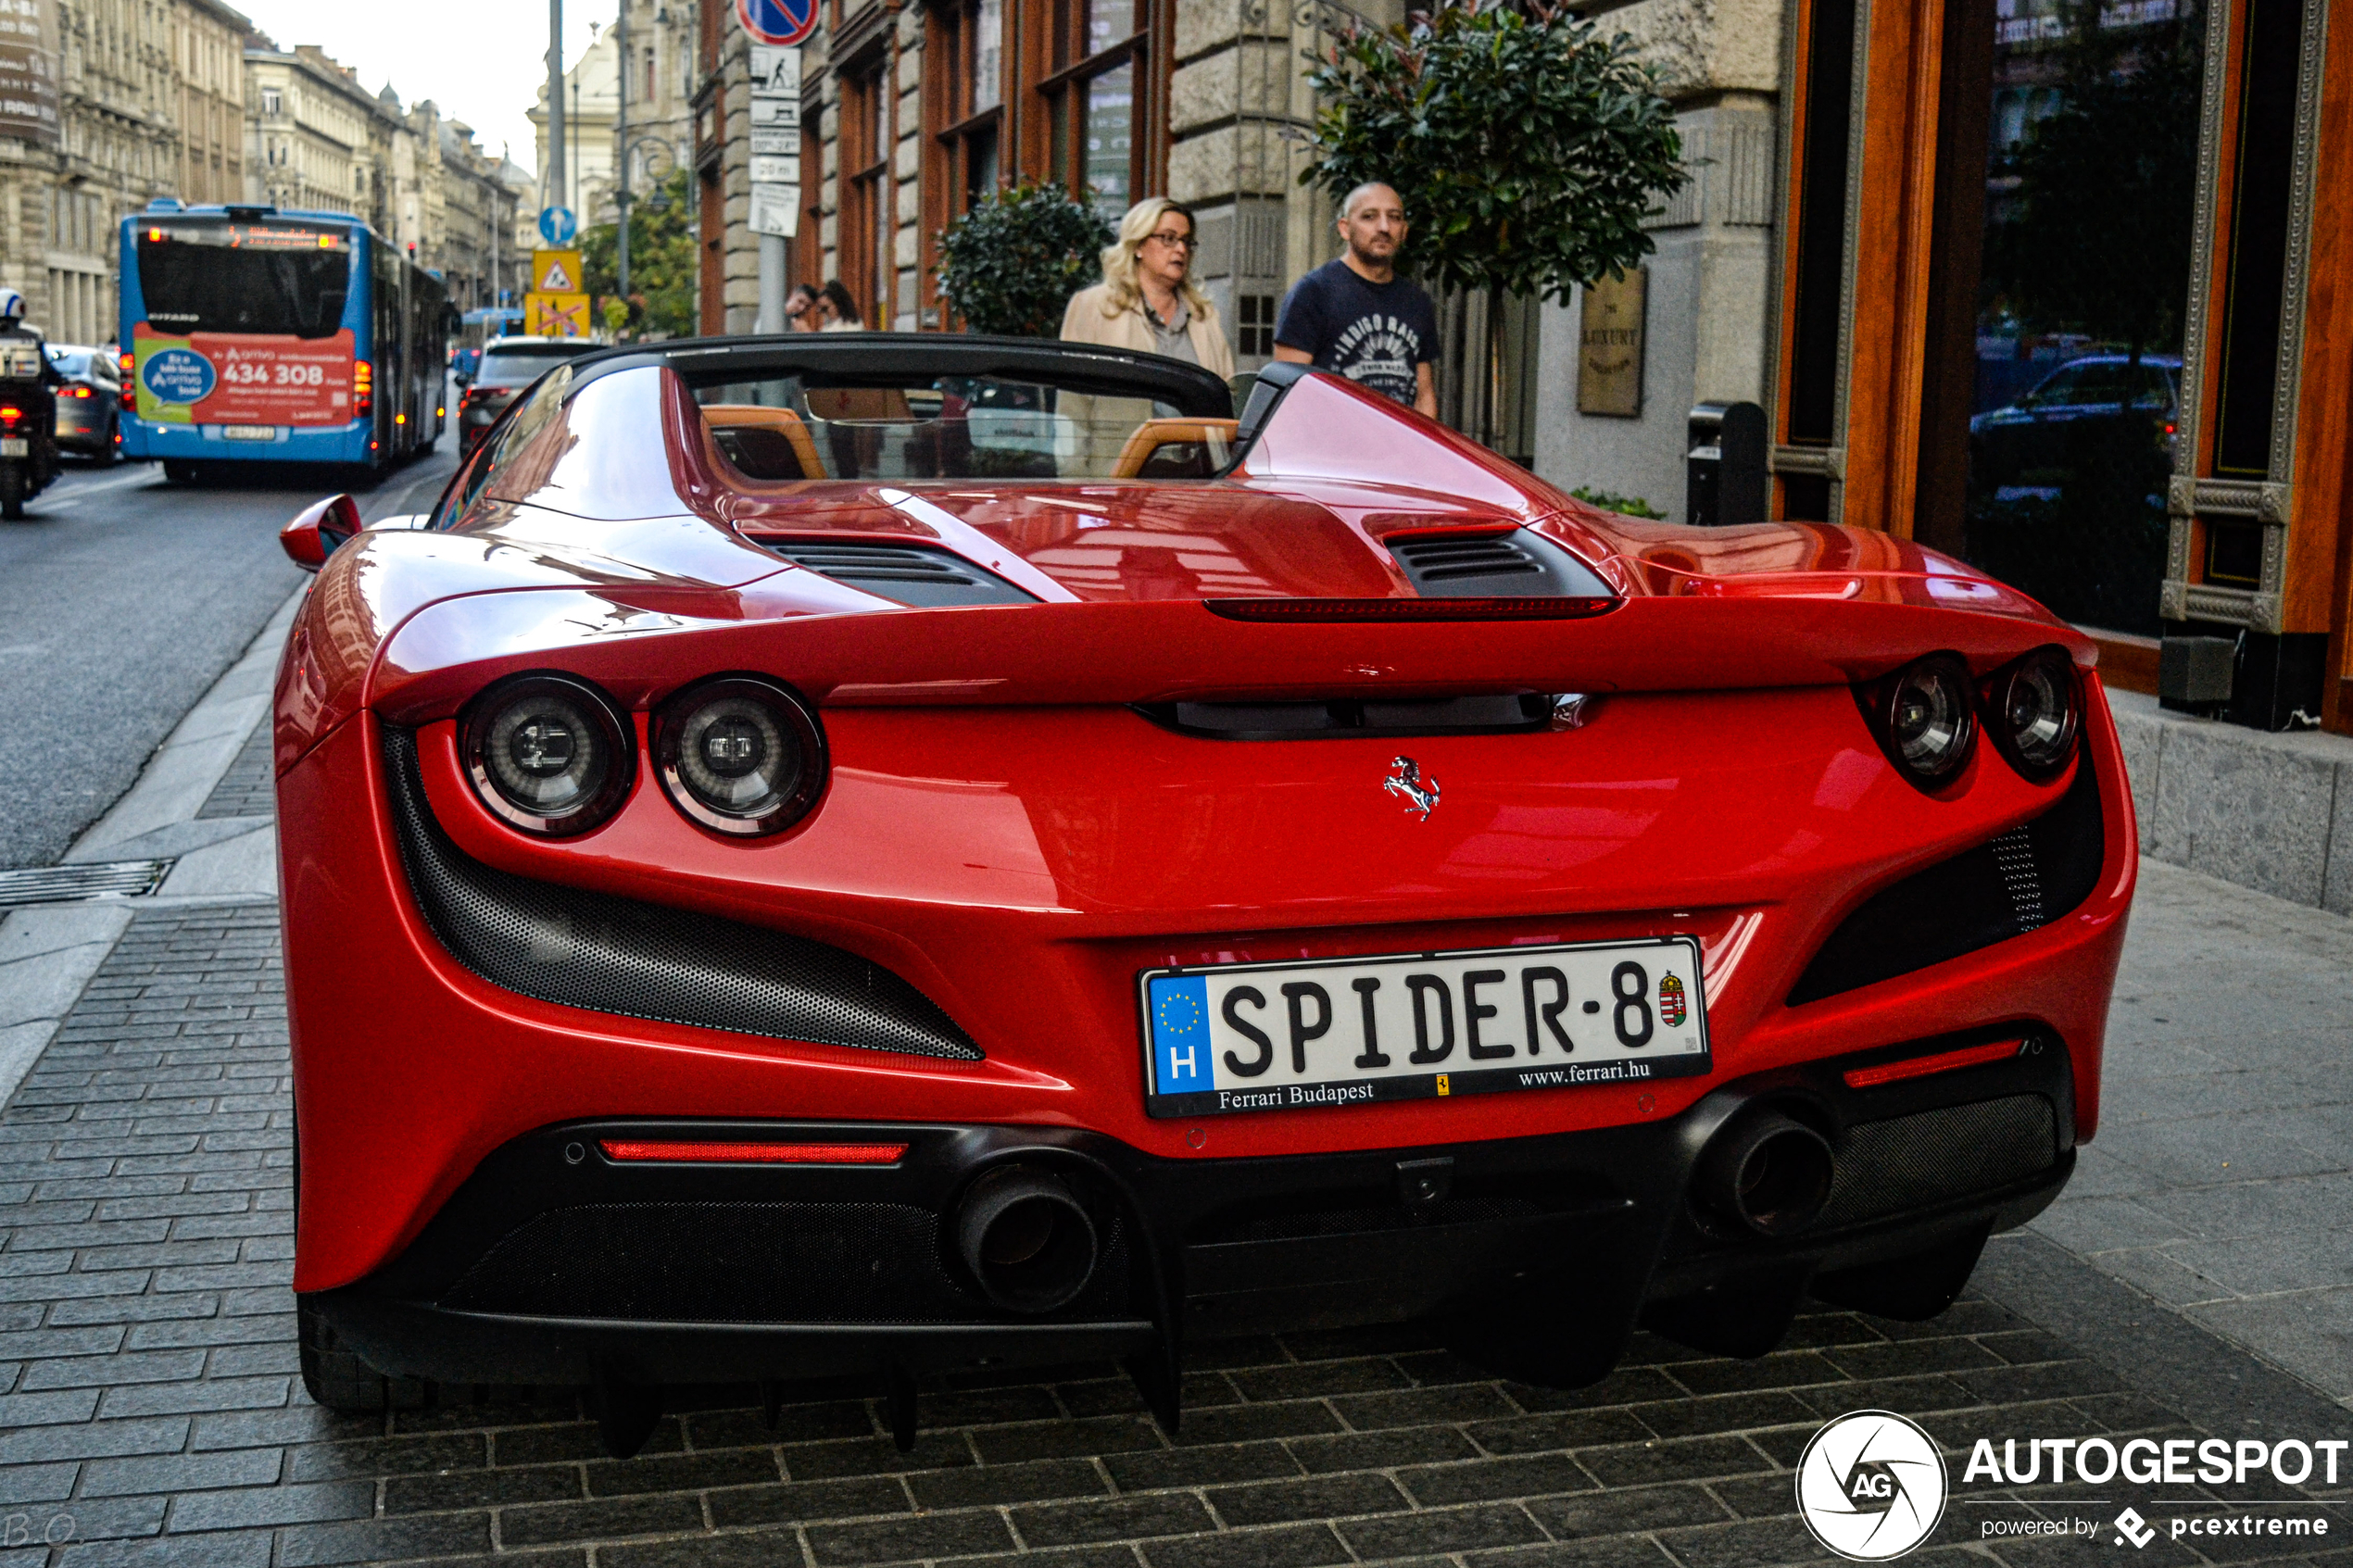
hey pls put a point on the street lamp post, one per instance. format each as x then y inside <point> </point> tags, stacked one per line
<point>621,139</point>
<point>627,153</point>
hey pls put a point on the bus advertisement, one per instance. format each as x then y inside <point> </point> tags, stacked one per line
<point>254,334</point>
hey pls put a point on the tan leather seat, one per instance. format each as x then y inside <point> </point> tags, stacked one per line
<point>1152,435</point>
<point>781,422</point>
<point>839,404</point>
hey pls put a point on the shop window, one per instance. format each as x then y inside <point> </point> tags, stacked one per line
<point>965,102</point>
<point>2257,268</point>
<point>1255,324</point>
<point>863,250</point>
<point>1096,53</point>
<point>2075,255</point>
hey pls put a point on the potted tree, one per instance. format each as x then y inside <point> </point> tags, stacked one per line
<point>1011,263</point>
<point>1528,149</point>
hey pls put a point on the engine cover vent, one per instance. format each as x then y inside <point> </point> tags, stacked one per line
<point>1515,565</point>
<point>909,573</point>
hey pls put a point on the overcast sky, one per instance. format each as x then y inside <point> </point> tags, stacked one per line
<point>481,60</point>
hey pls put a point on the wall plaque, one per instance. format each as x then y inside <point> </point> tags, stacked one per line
<point>1609,357</point>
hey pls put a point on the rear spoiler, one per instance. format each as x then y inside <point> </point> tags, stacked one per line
<point>637,642</point>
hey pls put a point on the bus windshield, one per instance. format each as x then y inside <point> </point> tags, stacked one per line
<point>287,279</point>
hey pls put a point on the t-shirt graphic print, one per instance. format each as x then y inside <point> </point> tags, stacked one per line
<point>1376,334</point>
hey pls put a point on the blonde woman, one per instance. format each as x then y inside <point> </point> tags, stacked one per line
<point>1147,300</point>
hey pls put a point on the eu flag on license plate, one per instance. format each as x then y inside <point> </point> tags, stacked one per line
<point>1181,1034</point>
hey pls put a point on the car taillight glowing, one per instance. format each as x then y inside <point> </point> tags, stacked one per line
<point>128,364</point>
<point>548,753</point>
<point>10,416</point>
<point>740,755</point>
<point>1924,718</point>
<point>633,1150</point>
<point>78,392</point>
<point>2034,708</point>
<point>364,386</point>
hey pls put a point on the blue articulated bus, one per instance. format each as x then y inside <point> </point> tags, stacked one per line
<point>253,334</point>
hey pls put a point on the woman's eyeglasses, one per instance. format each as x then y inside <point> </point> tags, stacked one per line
<point>1175,241</point>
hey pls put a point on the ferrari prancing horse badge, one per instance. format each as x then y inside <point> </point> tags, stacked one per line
<point>1405,781</point>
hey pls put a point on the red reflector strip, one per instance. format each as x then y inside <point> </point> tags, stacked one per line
<point>1921,1066</point>
<point>757,1153</point>
<point>1298,610</point>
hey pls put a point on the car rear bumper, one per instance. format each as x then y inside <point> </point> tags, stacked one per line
<point>555,1264</point>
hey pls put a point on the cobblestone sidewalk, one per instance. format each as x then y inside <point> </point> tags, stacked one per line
<point>150,1411</point>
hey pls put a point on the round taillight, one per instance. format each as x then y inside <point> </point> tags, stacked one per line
<point>1926,718</point>
<point>548,753</point>
<point>2035,711</point>
<point>740,755</point>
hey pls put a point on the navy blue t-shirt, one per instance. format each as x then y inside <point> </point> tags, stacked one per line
<point>1373,334</point>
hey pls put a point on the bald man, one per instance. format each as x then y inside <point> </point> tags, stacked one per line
<point>1357,317</point>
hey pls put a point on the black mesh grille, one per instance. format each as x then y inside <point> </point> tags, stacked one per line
<point>1911,1161</point>
<point>908,573</point>
<point>2004,887</point>
<point>745,1262</point>
<point>1518,564</point>
<point>642,960</point>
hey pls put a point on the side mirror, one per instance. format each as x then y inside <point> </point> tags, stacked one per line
<point>313,535</point>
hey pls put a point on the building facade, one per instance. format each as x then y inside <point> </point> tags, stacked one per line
<point>209,40</point>
<point>659,79</point>
<point>315,138</point>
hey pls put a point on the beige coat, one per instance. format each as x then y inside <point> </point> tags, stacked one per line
<point>1084,322</point>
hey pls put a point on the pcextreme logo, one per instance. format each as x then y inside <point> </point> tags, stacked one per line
<point>1871,1486</point>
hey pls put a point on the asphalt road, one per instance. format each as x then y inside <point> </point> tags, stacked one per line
<point>122,598</point>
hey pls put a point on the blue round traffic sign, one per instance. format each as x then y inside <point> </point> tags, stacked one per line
<point>778,21</point>
<point>178,375</point>
<point>556,225</point>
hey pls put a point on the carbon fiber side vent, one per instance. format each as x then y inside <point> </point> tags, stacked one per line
<point>909,573</point>
<point>1518,564</point>
<point>615,955</point>
<point>2010,885</point>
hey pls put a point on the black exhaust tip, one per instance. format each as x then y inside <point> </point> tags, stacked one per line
<point>1026,1239</point>
<point>1767,1172</point>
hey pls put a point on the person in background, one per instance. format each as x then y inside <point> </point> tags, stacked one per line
<point>1357,317</point>
<point>839,310</point>
<point>800,309</point>
<point>1146,301</point>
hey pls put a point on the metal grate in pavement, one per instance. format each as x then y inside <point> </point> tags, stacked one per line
<point>77,883</point>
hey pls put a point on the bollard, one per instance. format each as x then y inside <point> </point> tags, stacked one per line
<point>1725,464</point>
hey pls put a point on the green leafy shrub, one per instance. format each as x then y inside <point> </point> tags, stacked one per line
<point>1624,506</point>
<point>664,271</point>
<point>1011,264</point>
<point>1527,148</point>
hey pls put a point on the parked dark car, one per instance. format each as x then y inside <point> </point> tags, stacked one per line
<point>90,403</point>
<point>510,364</point>
<point>2044,439</point>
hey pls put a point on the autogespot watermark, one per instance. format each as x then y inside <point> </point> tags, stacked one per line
<point>1872,1487</point>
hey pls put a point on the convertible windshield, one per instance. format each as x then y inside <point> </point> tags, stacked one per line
<point>955,428</point>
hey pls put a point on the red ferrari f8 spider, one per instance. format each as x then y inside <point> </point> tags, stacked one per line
<point>872,855</point>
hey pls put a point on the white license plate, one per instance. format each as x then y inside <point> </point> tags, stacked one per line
<point>248,433</point>
<point>1292,1037</point>
<point>16,446</point>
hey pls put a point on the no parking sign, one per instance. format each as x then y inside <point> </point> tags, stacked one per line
<point>784,22</point>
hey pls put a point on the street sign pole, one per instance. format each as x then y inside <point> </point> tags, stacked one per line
<point>551,179</point>
<point>775,194</point>
<point>621,152</point>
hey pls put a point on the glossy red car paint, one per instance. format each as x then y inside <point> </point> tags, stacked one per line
<point>1006,831</point>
